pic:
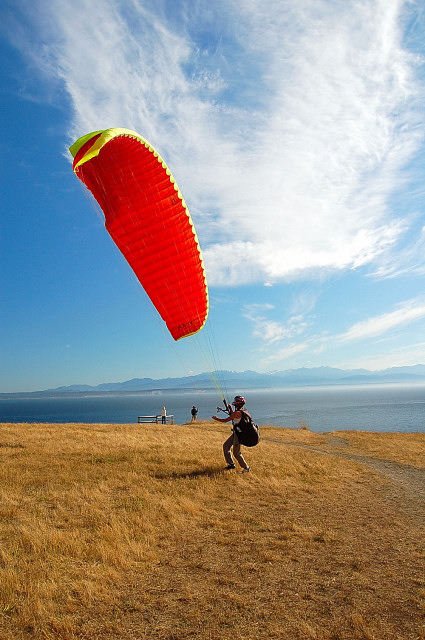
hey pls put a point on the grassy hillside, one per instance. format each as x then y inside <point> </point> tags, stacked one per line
<point>134,531</point>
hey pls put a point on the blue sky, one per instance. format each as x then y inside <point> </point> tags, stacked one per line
<point>295,131</point>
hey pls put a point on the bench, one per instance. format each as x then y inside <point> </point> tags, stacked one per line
<point>156,419</point>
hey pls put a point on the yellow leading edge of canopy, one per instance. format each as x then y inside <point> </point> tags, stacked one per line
<point>106,136</point>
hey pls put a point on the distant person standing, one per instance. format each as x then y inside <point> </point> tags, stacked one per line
<point>164,415</point>
<point>194,412</point>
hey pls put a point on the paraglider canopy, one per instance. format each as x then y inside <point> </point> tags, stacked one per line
<point>147,218</point>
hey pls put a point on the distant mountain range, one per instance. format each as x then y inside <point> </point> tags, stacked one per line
<point>243,380</point>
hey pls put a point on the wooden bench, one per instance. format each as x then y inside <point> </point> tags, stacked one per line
<point>156,419</point>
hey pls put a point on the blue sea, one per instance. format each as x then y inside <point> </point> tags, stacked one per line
<point>391,407</point>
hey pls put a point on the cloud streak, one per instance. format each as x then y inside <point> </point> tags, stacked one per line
<point>372,329</point>
<point>329,155</point>
<point>271,331</point>
<point>408,312</point>
<point>288,149</point>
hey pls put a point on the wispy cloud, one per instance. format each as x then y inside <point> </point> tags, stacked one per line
<point>327,159</point>
<point>370,330</point>
<point>286,124</point>
<point>408,312</point>
<point>409,355</point>
<point>281,355</point>
<point>407,260</point>
<point>271,331</point>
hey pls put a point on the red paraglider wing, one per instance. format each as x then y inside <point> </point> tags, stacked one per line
<point>147,218</point>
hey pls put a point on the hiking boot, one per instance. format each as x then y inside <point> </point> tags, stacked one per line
<point>229,466</point>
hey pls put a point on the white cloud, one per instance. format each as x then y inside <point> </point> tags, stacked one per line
<point>281,355</point>
<point>406,356</point>
<point>408,260</point>
<point>408,312</point>
<point>370,331</point>
<point>271,331</point>
<point>286,124</point>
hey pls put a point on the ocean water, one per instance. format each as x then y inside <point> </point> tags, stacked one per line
<point>392,407</point>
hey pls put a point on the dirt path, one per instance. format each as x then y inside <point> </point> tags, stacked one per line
<point>406,484</point>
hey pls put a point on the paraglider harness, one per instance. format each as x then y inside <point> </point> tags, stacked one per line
<point>247,431</point>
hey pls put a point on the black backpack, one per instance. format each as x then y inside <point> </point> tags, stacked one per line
<point>247,431</point>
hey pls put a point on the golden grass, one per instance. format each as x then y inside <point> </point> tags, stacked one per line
<point>134,531</point>
<point>408,449</point>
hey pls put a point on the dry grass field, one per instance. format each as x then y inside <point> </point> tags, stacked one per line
<point>129,532</point>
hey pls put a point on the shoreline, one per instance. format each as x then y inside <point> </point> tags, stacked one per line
<point>370,408</point>
<point>312,386</point>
